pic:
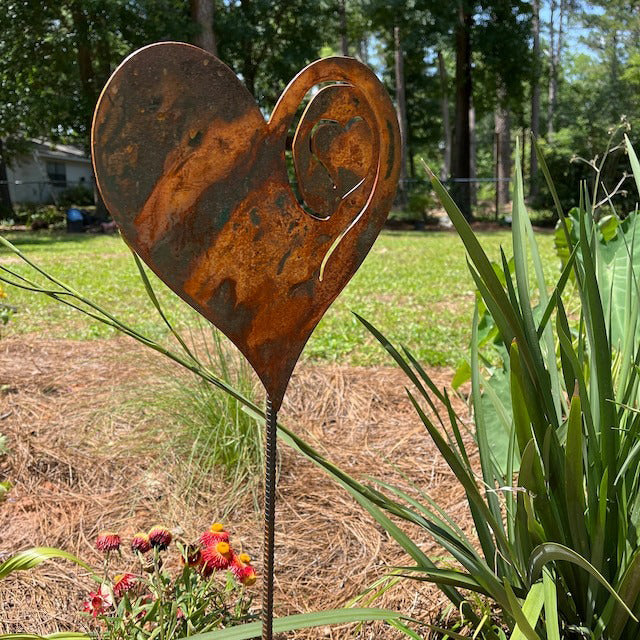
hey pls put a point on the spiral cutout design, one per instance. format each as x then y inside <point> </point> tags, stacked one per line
<point>345,146</point>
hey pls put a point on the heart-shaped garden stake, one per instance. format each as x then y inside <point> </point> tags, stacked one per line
<point>198,182</point>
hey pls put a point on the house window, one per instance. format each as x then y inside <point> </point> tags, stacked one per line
<point>57,172</point>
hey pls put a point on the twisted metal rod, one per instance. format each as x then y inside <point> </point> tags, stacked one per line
<point>268,567</point>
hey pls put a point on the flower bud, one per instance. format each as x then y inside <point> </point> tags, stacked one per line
<point>160,537</point>
<point>108,541</point>
<point>140,543</point>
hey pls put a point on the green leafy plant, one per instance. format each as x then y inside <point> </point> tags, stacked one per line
<point>38,215</point>
<point>556,551</point>
<point>78,195</point>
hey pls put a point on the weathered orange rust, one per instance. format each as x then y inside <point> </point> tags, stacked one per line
<point>197,181</point>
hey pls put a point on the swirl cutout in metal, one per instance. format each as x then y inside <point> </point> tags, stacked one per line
<point>197,181</point>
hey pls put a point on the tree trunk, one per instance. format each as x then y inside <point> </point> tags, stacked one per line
<point>344,41</point>
<point>461,167</point>
<point>473,173</point>
<point>553,70</point>
<point>202,15</point>
<point>401,108</point>
<point>446,124</point>
<point>83,53</point>
<point>535,100</point>
<point>88,78</point>
<point>6,206</point>
<point>503,147</point>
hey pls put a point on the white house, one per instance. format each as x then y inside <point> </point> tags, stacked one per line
<point>46,170</point>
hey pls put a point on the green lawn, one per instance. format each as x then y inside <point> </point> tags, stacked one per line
<point>414,286</point>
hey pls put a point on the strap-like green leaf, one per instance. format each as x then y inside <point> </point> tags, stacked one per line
<point>526,617</point>
<point>33,557</point>
<point>300,621</point>
<point>551,623</point>
<point>552,551</point>
<point>574,479</point>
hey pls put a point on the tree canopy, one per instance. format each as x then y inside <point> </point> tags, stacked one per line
<point>461,72</point>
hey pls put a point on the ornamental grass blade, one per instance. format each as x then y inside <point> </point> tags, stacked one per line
<point>407,631</point>
<point>633,160</point>
<point>156,303</point>
<point>487,466</point>
<point>503,312</point>
<point>301,621</point>
<point>557,292</point>
<point>574,479</point>
<point>61,635</point>
<point>629,591</point>
<point>446,576</point>
<point>31,558</point>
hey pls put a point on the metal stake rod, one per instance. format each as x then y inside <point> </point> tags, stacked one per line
<point>271,435</point>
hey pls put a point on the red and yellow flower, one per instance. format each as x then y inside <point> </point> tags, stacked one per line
<point>215,534</point>
<point>242,570</point>
<point>216,557</point>
<point>123,583</point>
<point>160,537</point>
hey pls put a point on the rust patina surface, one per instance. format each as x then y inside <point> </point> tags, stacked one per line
<point>197,181</point>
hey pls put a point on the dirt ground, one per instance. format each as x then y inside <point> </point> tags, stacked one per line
<point>84,456</point>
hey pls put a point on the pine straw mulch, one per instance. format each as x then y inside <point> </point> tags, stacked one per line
<point>86,453</point>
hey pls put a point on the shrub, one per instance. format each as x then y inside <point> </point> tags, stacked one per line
<point>38,216</point>
<point>215,436</point>
<point>79,196</point>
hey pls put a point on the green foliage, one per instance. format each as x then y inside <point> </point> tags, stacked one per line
<point>78,196</point>
<point>55,58</point>
<point>267,43</point>
<point>421,202</point>
<point>38,215</point>
<point>556,552</point>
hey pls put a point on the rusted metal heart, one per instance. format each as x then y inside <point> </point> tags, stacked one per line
<point>197,181</point>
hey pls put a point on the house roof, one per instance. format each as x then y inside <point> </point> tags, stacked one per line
<point>46,149</point>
